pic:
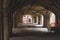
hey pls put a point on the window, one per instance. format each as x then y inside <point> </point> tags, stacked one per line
<point>27,19</point>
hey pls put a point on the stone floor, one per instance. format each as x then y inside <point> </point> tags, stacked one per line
<point>36,36</point>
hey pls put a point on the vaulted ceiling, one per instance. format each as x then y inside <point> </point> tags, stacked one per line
<point>53,5</point>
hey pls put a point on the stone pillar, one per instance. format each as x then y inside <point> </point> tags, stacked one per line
<point>1,21</point>
<point>1,34</point>
<point>5,19</point>
<point>5,24</point>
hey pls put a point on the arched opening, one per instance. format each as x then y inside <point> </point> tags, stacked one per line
<point>36,21</point>
<point>52,19</point>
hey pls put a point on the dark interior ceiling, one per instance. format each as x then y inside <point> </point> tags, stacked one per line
<point>53,5</point>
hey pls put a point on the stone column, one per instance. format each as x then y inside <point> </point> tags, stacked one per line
<point>5,20</point>
<point>1,26</point>
<point>5,24</point>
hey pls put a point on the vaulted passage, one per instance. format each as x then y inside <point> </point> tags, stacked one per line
<point>30,14</point>
<point>34,16</point>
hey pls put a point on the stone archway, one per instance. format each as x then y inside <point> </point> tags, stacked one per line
<point>13,5</point>
<point>35,11</point>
